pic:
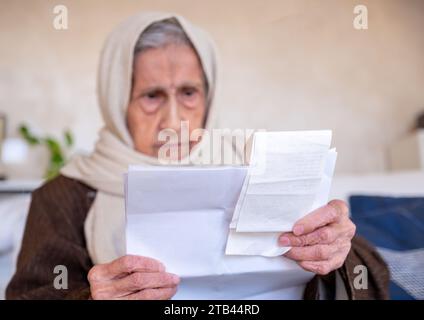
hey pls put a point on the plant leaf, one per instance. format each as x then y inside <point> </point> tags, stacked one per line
<point>69,139</point>
<point>28,136</point>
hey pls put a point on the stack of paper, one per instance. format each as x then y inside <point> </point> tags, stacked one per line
<point>289,176</point>
<point>181,216</point>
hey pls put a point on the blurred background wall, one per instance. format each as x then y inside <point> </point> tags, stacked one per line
<point>286,65</point>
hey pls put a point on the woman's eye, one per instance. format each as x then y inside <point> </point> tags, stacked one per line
<point>189,93</point>
<point>152,95</point>
<point>151,101</point>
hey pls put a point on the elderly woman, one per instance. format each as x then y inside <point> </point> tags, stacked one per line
<point>157,70</point>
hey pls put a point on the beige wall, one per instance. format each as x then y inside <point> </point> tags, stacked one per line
<point>286,65</point>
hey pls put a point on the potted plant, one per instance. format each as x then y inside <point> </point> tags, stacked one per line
<point>57,150</point>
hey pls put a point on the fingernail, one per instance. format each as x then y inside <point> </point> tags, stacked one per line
<point>284,241</point>
<point>298,230</point>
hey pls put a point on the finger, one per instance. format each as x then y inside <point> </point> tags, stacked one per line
<point>350,229</point>
<point>312,253</point>
<point>324,235</point>
<point>124,265</point>
<point>139,281</point>
<point>133,283</point>
<point>153,294</point>
<point>344,228</point>
<point>323,267</point>
<point>327,214</point>
<point>341,207</point>
<point>132,263</point>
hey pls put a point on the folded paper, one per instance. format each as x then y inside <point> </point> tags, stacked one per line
<point>289,176</point>
<point>181,216</point>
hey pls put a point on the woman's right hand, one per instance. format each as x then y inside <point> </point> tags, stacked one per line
<point>132,278</point>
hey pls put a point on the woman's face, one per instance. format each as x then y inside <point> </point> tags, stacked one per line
<point>168,87</point>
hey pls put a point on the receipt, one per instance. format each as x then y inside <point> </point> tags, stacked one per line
<point>289,176</point>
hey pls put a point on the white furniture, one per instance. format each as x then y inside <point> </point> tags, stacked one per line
<point>15,197</point>
<point>396,184</point>
<point>13,212</point>
<point>19,186</point>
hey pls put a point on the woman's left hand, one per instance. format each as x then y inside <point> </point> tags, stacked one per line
<point>321,240</point>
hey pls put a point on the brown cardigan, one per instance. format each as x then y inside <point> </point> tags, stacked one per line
<point>54,235</point>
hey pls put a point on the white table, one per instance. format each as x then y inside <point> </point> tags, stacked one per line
<point>19,186</point>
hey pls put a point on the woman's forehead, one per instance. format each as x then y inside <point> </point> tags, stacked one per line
<point>171,64</point>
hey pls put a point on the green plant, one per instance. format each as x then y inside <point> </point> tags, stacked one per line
<point>56,150</point>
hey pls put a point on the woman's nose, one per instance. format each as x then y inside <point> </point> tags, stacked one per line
<point>171,117</point>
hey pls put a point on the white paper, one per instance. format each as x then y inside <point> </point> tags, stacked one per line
<point>266,243</point>
<point>181,216</point>
<point>285,182</point>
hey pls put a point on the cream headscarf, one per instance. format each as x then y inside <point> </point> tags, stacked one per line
<point>104,169</point>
